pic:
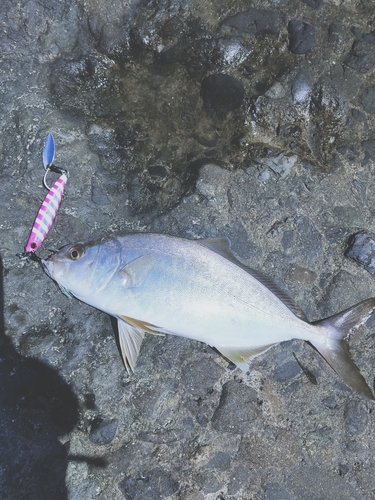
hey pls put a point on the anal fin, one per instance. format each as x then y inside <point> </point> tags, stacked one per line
<point>141,325</point>
<point>241,356</point>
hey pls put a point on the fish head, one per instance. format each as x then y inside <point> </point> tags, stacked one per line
<point>84,268</point>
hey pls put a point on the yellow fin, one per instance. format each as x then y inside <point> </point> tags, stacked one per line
<point>241,356</point>
<point>130,339</point>
<point>141,325</point>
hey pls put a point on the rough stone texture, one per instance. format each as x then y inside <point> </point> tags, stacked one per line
<point>361,248</point>
<point>277,153</point>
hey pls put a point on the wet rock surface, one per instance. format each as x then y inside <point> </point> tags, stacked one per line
<point>197,119</point>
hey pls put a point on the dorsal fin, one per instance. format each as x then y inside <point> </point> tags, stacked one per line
<point>221,246</point>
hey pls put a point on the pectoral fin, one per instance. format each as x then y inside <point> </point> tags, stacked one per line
<point>130,339</point>
<point>241,356</point>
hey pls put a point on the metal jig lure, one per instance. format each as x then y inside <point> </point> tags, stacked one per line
<point>51,202</point>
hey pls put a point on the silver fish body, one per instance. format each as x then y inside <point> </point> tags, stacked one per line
<point>197,289</point>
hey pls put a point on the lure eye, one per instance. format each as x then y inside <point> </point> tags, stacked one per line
<point>76,253</point>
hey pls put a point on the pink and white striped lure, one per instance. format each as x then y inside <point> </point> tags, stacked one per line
<point>51,203</point>
<point>46,214</point>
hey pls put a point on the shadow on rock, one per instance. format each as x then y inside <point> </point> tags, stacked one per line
<point>37,407</point>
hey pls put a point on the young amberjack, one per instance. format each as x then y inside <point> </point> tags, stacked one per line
<point>198,289</point>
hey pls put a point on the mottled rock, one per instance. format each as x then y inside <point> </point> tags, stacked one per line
<point>337,35</point>
<point>286,371</point>
<point>301,87</point>
<point>244,399</point>
<point>361,57</point>
<point>330,402</point>
<point>118,85</point>
<point>274,491</point>
<point>369,147</point>
<point>221,93</point>
<point>103,431</point>
<point>368,100</point>
<point>240,478</point>
<point>300,275</point>
<point>200,376</point>
<point>208,482</point>
<point>315,4</point>
<point>256,21</point>
<point>361,248</point>
<point>276,91</point>
<point>315,483</point>
<point>231,51</point>
<point>356,417</point>
<point>98,196</point>
<point>220,461</point>
<point>301,36</point>
<point>155,484</point>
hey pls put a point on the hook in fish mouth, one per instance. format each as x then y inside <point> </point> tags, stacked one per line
<point>29,256</point>
<point>44,265</point>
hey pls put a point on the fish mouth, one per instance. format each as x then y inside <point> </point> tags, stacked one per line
<point>44,264</point>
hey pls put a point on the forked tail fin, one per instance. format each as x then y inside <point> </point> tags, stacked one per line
<point>334,349</point>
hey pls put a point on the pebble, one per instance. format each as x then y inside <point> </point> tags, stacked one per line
<point>361,57</point>
<point>361,248</point>
<point>301,87</point>
<point>103,431</point>
<point>256,21</point>
<point>301,36</point>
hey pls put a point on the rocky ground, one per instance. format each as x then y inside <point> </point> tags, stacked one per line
<point>249,119</point>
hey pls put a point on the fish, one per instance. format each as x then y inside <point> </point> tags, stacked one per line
<point>161,284</point>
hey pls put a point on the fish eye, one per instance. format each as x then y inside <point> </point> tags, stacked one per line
<point>76,252</point>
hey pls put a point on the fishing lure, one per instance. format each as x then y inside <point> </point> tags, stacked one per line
<point>51,202</point>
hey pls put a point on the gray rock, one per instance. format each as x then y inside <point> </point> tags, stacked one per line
<point>156,484</point>
<point>221,93</point>
<point>356,417</point>
<point>361,248</point>
<point>301,36</point>
<point>208,482</point>
<point>240,478</point>
<point>103,431</point>
<point>236,395</point>
<point>301,87</point>
<point>330,402</point>
<point>199,377</point>
<point>220,461</point>
<point>315,483</point>
<point>286,371</point>
<point>256,21</point>
<point>368,100</point>
<point>274,491</point>
<point>118,84</point>
<point>361,57</point>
